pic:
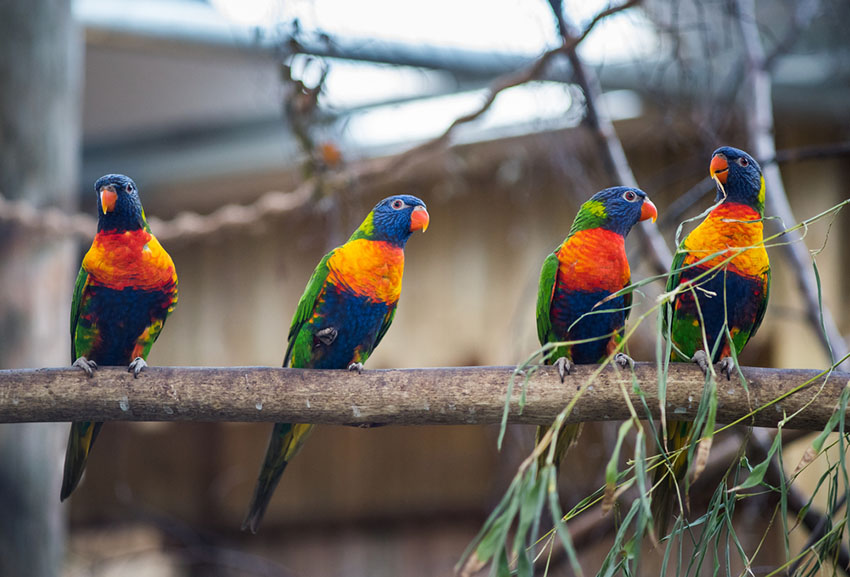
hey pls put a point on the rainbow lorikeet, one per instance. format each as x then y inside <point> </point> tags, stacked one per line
<point>125,290</point>
<point>349,304</point>
<point>578,278</point>
<point>715,295</point>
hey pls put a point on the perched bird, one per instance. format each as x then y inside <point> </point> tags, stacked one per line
<point>578,278</point>
<point>349,304</point>
<point>717,294</point>
<point>126,288</point>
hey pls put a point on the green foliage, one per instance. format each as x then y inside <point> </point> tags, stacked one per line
<point>510,540</point>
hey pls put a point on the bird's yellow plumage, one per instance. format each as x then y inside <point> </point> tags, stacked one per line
<point>733,226</point>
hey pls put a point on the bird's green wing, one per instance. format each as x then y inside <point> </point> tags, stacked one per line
<point>388,320</point>
<point>675,273</point>
<point>674,279</point>
<point>546,288</point>
<point>307,304</point>
<point>82,278</point>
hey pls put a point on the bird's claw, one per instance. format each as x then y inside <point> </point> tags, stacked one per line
<point>701,359</point>
<point>137,366</point>
<point>88,366</point>
<point>356,367</point>
<point>727,367</point>
<point>623,360</point>
<point>327,336</point>
<point>565,367</point>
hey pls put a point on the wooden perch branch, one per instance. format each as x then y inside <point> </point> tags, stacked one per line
<point>459,395</point>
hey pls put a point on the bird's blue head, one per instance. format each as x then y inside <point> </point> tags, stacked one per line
<point>394,219</point>
<point>616,209</point>
<point>738,177</point>
<point>118,204</point>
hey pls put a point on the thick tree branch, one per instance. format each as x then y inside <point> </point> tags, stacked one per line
<point>616,162</point>
<point>759,114</point>
<point>459,395</point>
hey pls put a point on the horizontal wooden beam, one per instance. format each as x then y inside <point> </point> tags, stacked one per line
<point>450,396</point>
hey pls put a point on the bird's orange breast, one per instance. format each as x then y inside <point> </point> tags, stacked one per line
<point>131,259</point>
<point>729,227</point>
<point>368,268</point>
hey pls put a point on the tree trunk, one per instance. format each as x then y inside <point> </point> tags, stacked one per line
<point>39,144</point>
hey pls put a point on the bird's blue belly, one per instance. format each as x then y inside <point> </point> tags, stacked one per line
<point>120,316</point>
<point>722,296</point>
<point>357,321</point>
<point>568,307</point>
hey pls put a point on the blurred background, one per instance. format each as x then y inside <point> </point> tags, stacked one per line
<point>303,111</point>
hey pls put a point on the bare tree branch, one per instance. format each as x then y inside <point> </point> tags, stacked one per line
<point>192,226</point>
<point>759,115</point>
<point>187,226</point>
<point>819,151</point>
<point>683,203</point>
<point>613,154</point>
<point>458,395</point>
<point>532,72</point>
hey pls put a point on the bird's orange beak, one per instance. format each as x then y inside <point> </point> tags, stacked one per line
<point>648,210</point>
<point>419,219</point>
<point>719,168</point>
<point>108,197</point>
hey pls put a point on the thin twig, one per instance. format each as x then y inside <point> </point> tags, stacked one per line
<point>193,226</point>
<point>532,72</point>
<point>802,153</point>
<point>683,203</point>
<point>676,210</point>
<point>813,520</point>
<point>588,529</point>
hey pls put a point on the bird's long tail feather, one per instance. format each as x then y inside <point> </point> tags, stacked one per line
<point>664,496</point>
<point>284,444</point>
<point>567,437</point>
<point>80,441</point>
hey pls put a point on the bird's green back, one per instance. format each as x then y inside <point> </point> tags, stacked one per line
<point>546,288</point>
<point>388,320</point>
<point>82,278</point>
<point>306,305</point>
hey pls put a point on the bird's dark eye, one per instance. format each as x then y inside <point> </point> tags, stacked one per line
<point>743,162</point>
<point>630,195</point>
<point>128,188</point>
<point>397,204</point>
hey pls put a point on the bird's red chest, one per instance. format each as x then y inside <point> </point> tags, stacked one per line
<point>131,259</point>
<point>593,260</point>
